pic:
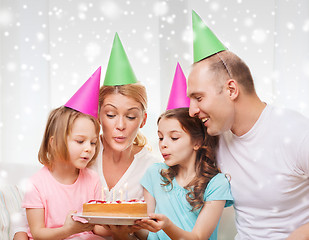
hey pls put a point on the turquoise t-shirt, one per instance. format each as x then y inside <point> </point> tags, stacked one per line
<point>173,203</point>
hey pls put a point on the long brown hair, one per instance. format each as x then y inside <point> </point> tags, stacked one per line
<point>59,126</point>
<point>205,166</point>
<point>135,91</point>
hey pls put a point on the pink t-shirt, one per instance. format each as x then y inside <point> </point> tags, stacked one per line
<point>59,199</point>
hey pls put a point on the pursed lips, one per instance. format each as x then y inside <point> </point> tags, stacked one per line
<point>165,155</point>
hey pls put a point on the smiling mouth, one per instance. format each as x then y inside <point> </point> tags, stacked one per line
<point>204,120</point>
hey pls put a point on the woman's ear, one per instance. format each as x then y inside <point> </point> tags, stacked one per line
<point>144,120</point>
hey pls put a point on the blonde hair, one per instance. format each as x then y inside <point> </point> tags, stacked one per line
<point>135,91</point>
<point>58,127</point>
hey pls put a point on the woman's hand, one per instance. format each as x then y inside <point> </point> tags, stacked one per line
<point>155,223</point>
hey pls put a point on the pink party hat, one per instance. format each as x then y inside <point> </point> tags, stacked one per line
<point>86,99</point>
<point>178,95</point>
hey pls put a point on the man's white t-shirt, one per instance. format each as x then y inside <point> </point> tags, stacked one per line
<point>269,169</point>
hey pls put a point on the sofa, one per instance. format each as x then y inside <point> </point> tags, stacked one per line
<point>13,180</point>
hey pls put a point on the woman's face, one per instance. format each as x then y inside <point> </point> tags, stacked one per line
<point>120,118</point>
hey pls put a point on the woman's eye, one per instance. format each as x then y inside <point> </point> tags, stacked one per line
<point>79,141</point>
<point>160,139</point>
<point>110,115</point>
<point>131,117</point>
<point>93,143</point>
<point>174,138</point>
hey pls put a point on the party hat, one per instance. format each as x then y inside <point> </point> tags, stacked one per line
<point>178,95</point>
<point>86,99</point>
<point>205,42</point>
<point>119,70</point>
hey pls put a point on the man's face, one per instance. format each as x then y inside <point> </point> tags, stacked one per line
<point>210,99</point>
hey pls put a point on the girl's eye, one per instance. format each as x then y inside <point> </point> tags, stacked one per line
<point>93,143</point>
<point>160,139</point>
<point>79,141</point>
<point>174,138</point>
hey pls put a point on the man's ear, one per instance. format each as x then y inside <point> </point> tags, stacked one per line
<point>233,88</point>
<point>144,120</point>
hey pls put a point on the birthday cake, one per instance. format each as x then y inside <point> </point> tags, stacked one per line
<point>132,208</point>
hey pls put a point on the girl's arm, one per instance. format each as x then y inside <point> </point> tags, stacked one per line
<point>38,230</point>
<point>21,236</point>
<point>204,226</point>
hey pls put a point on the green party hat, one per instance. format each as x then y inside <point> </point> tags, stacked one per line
<point>205,42</point>
<point>119,70</point>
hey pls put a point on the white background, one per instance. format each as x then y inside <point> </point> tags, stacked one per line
<point>48,49</point>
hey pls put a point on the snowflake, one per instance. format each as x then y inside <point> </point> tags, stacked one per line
<point>160,8</point>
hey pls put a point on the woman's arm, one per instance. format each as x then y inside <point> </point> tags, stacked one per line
<point>38,230</point>
<point>204,226</point>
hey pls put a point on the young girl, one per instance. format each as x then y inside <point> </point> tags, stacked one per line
<point>188,202</point>
<point>69,145</point>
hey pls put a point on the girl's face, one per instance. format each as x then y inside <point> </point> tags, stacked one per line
<point>82,142</point>
<point>175,144</point>
<point>120,118</point>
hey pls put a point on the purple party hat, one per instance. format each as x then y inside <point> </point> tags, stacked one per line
<point>178,95</point>
<point>86,99</point>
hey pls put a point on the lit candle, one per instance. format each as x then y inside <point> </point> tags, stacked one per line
<point>126,191</point>
<point>105,190</point>
<point>103,194</point>
<point>121,194</point>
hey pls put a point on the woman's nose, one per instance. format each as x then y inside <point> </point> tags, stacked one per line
<point>120,124</point>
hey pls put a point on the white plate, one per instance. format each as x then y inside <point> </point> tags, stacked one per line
<point>109,220</point>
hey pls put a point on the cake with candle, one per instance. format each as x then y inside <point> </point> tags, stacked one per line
<point>131,208</point>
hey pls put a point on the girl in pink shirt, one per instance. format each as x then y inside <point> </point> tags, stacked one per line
<point>69,145</point>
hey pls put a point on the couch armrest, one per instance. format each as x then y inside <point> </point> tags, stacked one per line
<point>10,209</point>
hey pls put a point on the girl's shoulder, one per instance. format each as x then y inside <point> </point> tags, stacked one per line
<point>219,180</point>
<point>41,173</point>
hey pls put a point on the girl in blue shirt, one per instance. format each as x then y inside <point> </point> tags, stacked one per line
<point>186,194</point>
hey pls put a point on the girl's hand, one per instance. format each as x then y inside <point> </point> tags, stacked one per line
<point>75,226</point>
<point>155,223</point>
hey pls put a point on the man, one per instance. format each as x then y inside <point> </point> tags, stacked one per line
<point>264,149</point>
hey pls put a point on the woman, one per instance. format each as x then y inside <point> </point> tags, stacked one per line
<point>124,156</point>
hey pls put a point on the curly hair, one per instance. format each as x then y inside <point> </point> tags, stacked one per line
<point>205,165</point>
